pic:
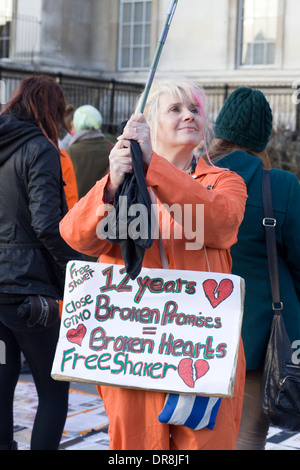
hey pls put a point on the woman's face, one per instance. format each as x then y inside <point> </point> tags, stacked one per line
<point>179,124</point>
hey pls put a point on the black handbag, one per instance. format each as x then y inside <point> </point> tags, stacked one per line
<point>280,387</point>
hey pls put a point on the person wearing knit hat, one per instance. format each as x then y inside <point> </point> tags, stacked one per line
<point>242,131</point>
<point>245,119</point>
<point>87,117</point>
<point>89,149</point>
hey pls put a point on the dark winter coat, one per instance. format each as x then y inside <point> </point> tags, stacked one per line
<point>33,255</point>
<point>89,151</point>
<point>249,254</point>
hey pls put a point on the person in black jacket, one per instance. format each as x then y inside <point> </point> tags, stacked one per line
<point>33,256</point>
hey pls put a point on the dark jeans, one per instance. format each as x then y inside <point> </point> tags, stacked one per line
<point>38,345</point>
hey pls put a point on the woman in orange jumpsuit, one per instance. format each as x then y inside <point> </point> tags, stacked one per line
<point>175,119</point>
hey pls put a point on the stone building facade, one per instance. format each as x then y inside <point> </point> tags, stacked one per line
<point>215,41</point>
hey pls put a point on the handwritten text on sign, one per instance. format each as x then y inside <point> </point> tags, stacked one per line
<point>167,330</point>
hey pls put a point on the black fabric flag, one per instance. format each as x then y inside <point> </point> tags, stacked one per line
<point>129,224</point>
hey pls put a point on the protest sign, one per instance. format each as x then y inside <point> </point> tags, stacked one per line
<point>168,330</point>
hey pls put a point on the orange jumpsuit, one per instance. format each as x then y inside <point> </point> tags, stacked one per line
<point>70,188</point>
<point>68,172</point>
<point>133,413</point>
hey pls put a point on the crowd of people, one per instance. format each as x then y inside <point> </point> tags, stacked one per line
<point>51,191</point>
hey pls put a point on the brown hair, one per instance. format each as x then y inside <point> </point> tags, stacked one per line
<point>68,116</point>
<point>219,148</point>
<point>39,100</point>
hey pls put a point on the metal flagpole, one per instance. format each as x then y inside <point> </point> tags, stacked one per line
<point>133,250</point>
<point>158,52</point>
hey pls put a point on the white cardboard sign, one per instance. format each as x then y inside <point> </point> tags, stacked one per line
<point>168,330</point>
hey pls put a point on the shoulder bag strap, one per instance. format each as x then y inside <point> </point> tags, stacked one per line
<point>269,224</point>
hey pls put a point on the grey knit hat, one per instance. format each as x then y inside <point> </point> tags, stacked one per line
<point>245,119</point>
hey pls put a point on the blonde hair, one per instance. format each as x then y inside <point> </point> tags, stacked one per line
<point>179,89</point>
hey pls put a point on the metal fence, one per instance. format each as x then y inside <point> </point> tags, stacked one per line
<point>280,97</point>
<point>117,100</point>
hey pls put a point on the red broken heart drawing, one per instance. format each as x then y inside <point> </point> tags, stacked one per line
<point>76,336</point>
<point>217,293</point>
<point>190,372</point>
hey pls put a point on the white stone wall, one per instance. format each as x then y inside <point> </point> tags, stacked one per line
<point>81,36</point>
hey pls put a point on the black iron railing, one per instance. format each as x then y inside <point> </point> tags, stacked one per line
<point>116,100</point>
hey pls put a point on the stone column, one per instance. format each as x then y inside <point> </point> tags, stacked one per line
<point>51,33</point>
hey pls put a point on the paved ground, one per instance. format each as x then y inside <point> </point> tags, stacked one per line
<point>87,423</point>
<point>86,426</point>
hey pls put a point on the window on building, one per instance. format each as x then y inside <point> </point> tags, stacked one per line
<point>135,34</point>
<point>258,32</point>
<point>5,27</point>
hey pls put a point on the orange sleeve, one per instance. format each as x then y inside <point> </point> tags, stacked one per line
<point>224,205</point>
<point>80,227</point>
<point>69,178</point>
